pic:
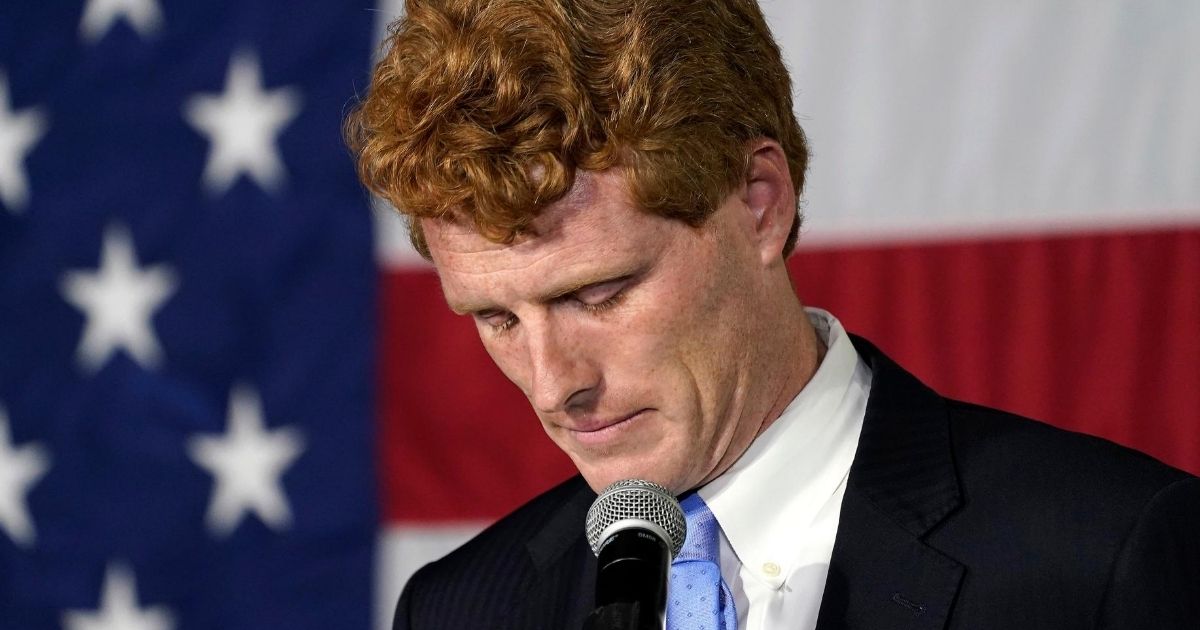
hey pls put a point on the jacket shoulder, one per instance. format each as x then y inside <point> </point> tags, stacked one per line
<point>493,575</point>
<point>995,446</point>
<point>1049,518</point>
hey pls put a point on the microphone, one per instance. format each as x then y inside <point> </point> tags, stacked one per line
<point>635,528</point>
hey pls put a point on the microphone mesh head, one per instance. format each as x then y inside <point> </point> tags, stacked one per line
<point>636,499</point>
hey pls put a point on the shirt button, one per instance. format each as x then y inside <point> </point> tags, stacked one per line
<point>771,569</point>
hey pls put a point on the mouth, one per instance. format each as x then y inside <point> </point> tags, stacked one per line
<point>598,431</point>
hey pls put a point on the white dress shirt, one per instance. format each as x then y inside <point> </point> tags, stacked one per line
<point>778,505</point>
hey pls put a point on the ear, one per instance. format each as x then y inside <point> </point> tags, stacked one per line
<point>770,197</point>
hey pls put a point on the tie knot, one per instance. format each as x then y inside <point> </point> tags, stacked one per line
<point>702,531</point>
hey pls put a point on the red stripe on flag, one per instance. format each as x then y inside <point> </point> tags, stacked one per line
<point>1098,333</point>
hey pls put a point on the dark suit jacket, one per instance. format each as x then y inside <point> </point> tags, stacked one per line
<point>955,516</point>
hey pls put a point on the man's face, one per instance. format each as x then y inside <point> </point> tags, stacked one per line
<point>631,335</point>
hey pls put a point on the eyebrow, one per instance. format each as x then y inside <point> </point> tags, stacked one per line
<point>557,293</point>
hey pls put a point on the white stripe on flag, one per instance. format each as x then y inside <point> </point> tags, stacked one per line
<point>930,116</point>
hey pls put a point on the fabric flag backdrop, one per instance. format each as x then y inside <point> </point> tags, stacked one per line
<point>187,318</point>
<point>218,410</point>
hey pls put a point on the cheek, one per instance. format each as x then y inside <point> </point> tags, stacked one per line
<point>680,329</point>
<point>646,342</point>
<point>655,358</point>
<point>697,343</point>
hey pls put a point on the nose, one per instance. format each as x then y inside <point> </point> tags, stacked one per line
<point>562,375</point>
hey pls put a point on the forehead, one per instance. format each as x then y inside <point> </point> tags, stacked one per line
<point>596,213</point>
<point>593,227</point>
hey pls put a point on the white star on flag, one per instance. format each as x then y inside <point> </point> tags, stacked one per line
<point>242,126</point>
<point>144,16</point>
<point>19,132</point>
<point>118,300</point>
<point>119,607</point>
<point>20,469</point>
<point>248,463</point>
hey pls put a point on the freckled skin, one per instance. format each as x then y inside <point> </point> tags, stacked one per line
<point>694,341</point>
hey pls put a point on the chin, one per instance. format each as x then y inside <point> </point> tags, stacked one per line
<point>601,476</point>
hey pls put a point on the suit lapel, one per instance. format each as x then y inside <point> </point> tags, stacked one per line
<point>901,485</point>
<point>560,590</point>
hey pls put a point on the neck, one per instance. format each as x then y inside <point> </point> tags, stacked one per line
<point>790,353</point>
<point>800,354</point>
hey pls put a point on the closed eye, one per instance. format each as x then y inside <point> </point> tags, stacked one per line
<point>592,298</point>
<point>602,295</point>
<point>602,305</point>
<point>498,321</point>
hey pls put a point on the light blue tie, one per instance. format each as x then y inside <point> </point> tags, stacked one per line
<point>697,597</point>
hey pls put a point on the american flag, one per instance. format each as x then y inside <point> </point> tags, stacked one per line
<point>232,397</point>
<point>187,298</point>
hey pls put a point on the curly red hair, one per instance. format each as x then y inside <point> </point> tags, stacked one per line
<point>482,110</point>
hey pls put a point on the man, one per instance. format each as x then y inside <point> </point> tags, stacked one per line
<point>609,189</point>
